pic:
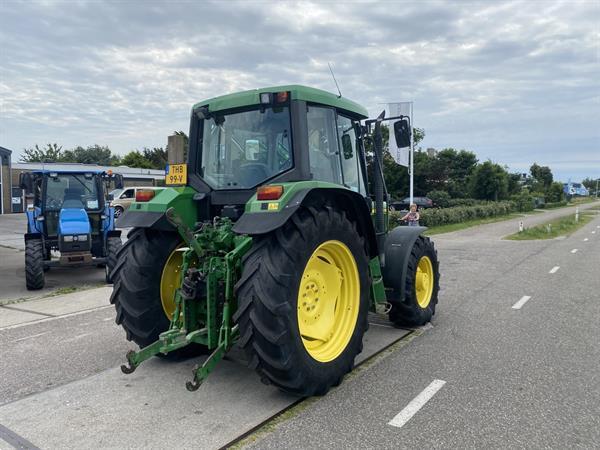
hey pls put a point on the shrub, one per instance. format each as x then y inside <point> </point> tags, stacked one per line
<point>439,198</point>
<point>433,217</point>
<point>523,201</point>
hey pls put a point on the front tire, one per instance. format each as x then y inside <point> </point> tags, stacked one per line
<point>421,286</point>
<point>303,302</point>
<point>118,211</point>
<point>34,264</point>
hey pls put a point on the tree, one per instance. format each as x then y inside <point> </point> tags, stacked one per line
<point>514,183</point>
<point>51,153</point>
<point>489,181</point>
<point>590,184</point>
<point>94,154</point>
<point>136,159</point>
<point>541,174</point>
<point>554,193</point>
<point>157,157</point>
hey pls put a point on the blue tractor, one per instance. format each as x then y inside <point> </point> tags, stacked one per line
<point>68,212</point>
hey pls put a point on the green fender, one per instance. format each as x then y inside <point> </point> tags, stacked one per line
<point>151,214</point>
<point>394,258</point>
<point>261,217</point>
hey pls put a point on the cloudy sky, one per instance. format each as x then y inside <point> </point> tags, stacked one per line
<point>515,82</point>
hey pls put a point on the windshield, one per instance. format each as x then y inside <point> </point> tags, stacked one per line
<point>71,191</point>
<point>242,150</point>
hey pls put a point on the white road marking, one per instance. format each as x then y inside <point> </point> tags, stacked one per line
<point>108,318</point>
<point>48,319</point>
<point>554,269</point>
<point>574,250</point>
<point>594,232</point>
<point>585,240</point>
<point>521,302</point>
<point>31,337</point>
<point>416,404</point>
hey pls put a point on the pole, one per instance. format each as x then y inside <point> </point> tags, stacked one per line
<point>597,187</point>
<point>412,155</point>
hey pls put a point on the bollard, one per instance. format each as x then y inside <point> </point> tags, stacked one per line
<point>549,228</point>
<point>577,214</point>
<point>520,226</point>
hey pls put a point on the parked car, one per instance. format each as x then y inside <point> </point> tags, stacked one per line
<point>421,202</point>
<point>123,198</point>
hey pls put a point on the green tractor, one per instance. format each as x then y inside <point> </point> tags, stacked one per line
<point>269,238</point>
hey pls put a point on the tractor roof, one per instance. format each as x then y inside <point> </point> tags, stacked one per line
<point>60,172</point>
<point>298,92</point>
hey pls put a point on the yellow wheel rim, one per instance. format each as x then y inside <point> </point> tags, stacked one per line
<point>170,279</point>
<point>328,301</point>
<point>424,281</point>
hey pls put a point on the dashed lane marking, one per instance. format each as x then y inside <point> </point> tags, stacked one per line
<point>554,269</point>
<point>574,250</point>
<point>521,302</point>
<point>586,239</point>
<point>416,404</point>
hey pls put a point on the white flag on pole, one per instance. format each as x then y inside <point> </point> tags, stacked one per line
<point>400,155</point>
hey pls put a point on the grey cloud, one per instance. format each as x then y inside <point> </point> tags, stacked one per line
<point>493,77</point>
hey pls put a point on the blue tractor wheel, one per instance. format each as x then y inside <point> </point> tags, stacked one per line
<point>34,264</point>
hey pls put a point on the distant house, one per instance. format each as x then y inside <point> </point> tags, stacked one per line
<point>575,189</point>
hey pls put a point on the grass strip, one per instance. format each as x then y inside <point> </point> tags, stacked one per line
<point>558,227</point>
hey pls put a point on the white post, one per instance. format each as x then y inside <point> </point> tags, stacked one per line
<point>577,214</point>
<point>520,226</point>
<point>412,154</point>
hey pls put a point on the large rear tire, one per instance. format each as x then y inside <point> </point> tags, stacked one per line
<point>421,286</point>
<point>303,302</point>
<point>34,264</point>
<point>140,271</point>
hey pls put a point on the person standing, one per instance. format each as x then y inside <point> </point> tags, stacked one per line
<point>412,217</point>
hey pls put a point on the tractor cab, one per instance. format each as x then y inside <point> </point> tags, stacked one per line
<point>68,212</point>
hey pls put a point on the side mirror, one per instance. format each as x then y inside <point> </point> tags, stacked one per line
<point>26,182</point>
<point>347,146</point>
<point>402,133</point>
<point>118,181</point>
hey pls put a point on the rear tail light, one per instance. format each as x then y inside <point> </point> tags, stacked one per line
<point>144,195</point>
<point>269,192</point>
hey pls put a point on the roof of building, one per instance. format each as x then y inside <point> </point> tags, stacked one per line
<point>5,151</point>
<point>297,92</point>
<point>127,172</point>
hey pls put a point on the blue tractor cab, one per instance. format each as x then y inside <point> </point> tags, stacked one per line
<point>68,212</point>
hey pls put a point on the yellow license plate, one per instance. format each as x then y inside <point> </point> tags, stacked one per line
<point>177,174</point>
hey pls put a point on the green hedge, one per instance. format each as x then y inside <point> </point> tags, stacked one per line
<point>433,217</point>
<point>551,205</point>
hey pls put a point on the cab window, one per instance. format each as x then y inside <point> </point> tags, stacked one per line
<point>323,145</point>
<point>127,193</point>
<point>350,165</point>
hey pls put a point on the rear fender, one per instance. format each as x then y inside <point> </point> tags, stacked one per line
<point>394,258</point>
<point>151,214</point>
<point>258,220</point>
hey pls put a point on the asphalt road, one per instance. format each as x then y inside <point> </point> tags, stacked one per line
<point>513,377</point>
